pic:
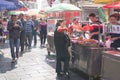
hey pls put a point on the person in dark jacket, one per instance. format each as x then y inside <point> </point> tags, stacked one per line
<point>61,41</point>
<point>35,27</point>
<point>14,27</point>
<point>22,34</point>
<point>96,25</point>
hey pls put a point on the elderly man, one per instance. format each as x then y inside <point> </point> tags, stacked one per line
<point>28,30</point>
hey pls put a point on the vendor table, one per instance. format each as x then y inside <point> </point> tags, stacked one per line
<point>111,65</point>
<point>87,59</point>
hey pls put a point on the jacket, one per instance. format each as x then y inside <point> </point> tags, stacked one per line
<point>14,32</point>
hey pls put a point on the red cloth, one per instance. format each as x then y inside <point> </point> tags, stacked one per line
<point>62,29</point>
<point>91,27</point>
<point>68,22</point>
<point>88,28</point>
<point>70,29</point>
<point>77,27</point>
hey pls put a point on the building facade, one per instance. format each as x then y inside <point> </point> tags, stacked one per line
<point>30,3</point>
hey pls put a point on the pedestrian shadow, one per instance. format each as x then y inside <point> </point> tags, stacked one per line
<point>6,65</point>
<point>51,60</point>
<point>4,46</point>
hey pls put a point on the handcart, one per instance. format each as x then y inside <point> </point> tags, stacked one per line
<point>87,59</point>
<point>50,45</point>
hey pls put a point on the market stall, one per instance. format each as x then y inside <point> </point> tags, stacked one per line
<point>86,57</point>
<point>110,65</point>
<point>55,13</point>
<point>87,54</point>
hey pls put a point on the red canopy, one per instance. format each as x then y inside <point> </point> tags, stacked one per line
<point>113,5</point>
<point>23,9</point>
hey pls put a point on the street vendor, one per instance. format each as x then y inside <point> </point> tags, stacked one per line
<point>96,27</point>
<point>75,28</point>
<point>113,31</point>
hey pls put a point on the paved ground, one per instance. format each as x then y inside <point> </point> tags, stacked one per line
<point>33,65</point>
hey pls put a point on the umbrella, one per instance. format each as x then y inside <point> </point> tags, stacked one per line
<point>23,9</point>
<point>18,3</point>
<point>5,5</point>
<point>115,5</point>
<point>15,12</point>
<point>35,12</point>
<point>63,7</point>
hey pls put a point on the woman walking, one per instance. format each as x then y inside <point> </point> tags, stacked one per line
<point>43,32</point>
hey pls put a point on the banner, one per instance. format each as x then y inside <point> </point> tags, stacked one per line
<point>102,15</point>
<point>112,29</point>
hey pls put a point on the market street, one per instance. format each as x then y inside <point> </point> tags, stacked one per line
<point>31,66</point>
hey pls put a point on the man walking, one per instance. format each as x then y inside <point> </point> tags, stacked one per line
<point>28,31</point>
<point>22,34</point>
<point>35,27</point>
<point>14,27</point>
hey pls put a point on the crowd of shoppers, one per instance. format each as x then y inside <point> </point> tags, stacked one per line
<point>23,31</point>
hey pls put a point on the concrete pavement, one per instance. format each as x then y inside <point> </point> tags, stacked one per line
<point>32,65</point>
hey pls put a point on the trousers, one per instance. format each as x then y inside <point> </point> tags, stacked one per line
<point>14,43</point>
<point>65,67</point>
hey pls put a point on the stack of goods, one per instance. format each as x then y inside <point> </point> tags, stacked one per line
<point>85,42</point>
<point>89,42</point>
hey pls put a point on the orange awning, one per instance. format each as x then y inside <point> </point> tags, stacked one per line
<point>105,1</point>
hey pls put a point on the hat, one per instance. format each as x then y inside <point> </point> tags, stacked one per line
<point>13,15</point>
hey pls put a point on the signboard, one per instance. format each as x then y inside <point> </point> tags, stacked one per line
<point>29,0</point>
<point>112,29</point>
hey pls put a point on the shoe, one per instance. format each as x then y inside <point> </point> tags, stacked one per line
<point>67,75</point>
<point>17,55</point>
<point>29,47</point>
<point>59,75</point>
<point>34,45</point>
<point>13,61</point>
<point>22,52</point>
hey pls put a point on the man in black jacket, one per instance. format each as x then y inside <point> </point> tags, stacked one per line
<point>22,33</point>
<point>96,25</point>
<point>14,27</point>
<point>35,27</point>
